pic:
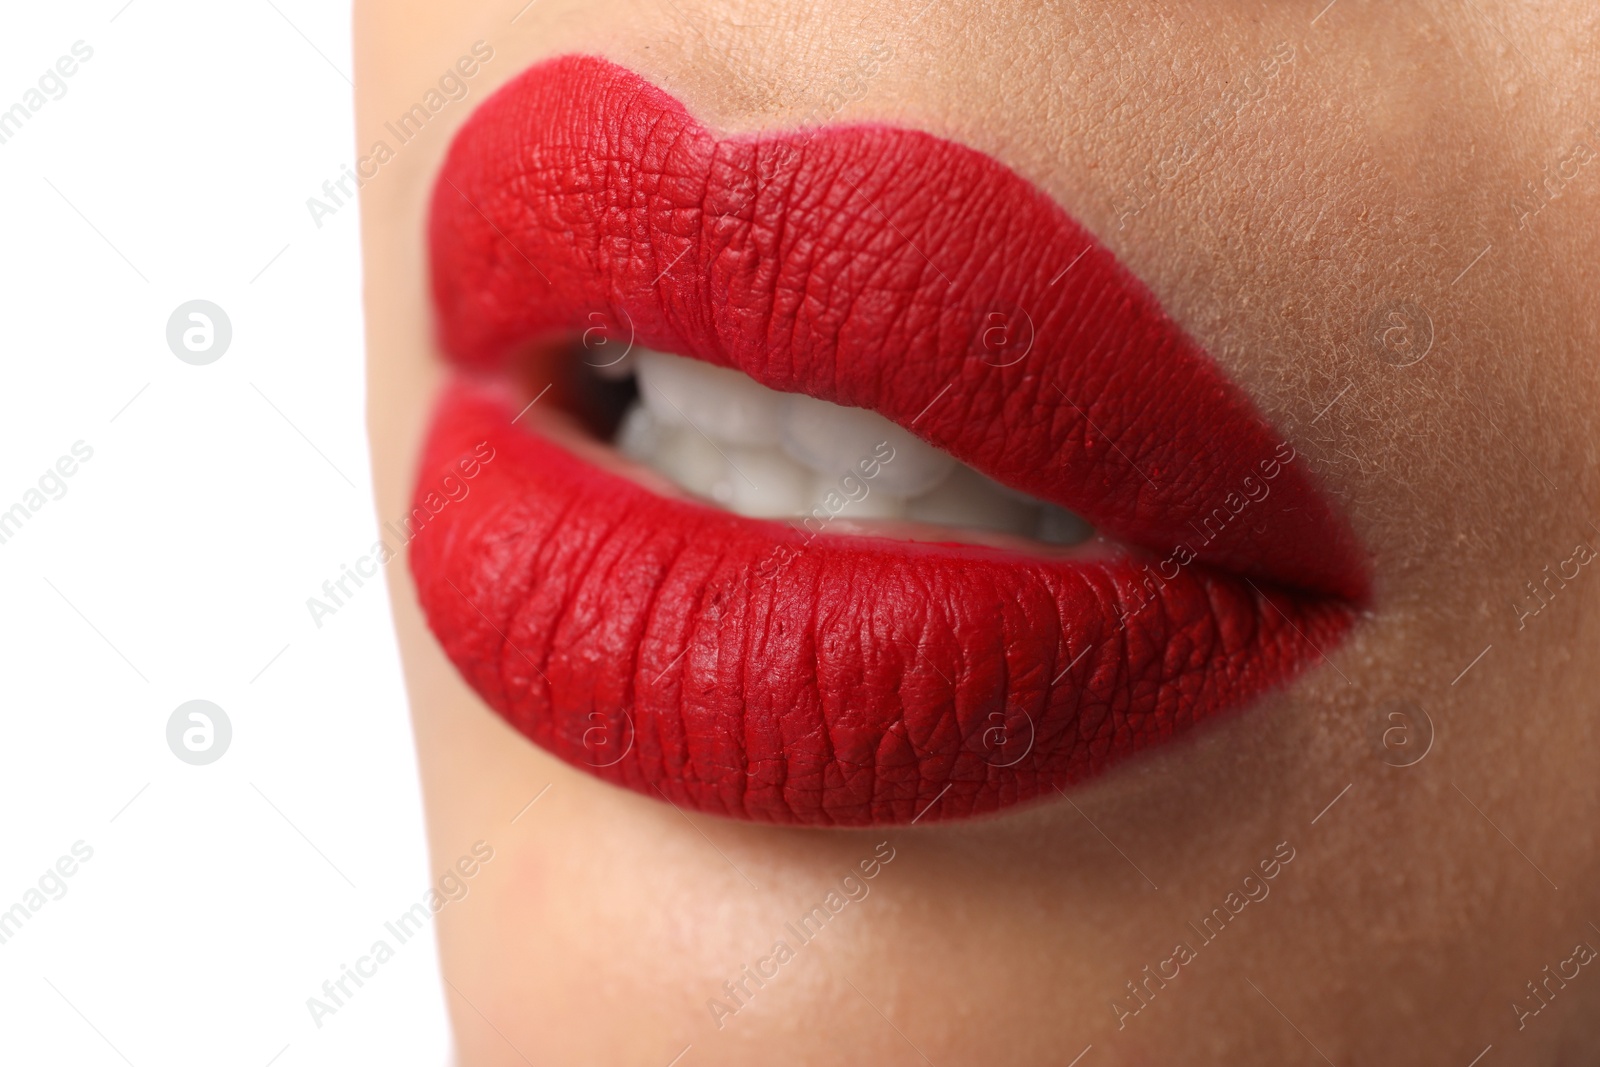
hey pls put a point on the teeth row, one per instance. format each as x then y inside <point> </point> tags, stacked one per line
<point>765,454</point>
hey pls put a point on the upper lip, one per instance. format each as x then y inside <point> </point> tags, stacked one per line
<point>837,265</point>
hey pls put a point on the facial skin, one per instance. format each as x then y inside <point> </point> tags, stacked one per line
<point>1373,173</point>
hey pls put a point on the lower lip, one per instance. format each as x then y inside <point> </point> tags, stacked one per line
<point>752,669</point>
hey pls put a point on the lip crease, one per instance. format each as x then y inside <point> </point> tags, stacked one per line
<point>748,667</point>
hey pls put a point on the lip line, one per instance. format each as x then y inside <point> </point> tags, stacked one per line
<point>794,697</point>
<point>583,445</point>
<point>656,482</point>
<point>678,492</point>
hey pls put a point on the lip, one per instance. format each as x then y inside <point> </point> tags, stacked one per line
<point>751,668</point>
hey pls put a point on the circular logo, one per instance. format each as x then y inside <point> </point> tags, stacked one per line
<point>1404,733</point>
<point>1003,738</point>
<point>607,739</point>
<point>198,332</point>
<point>199,732</point>
<point>1400,332</point>
<point>605,342</point>
<point>1005,336</point>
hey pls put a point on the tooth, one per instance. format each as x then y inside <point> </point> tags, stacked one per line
<point>834,441</point>
<point>828,455</point>
<point>721,403</point>
<point>765,483</point>
<point>639,436</point>
<point>1057,526</point>
<point>967,498</point>
<point>877,504</point>
<point>685,456</point>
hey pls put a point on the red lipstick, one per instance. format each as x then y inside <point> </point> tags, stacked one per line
<point>747,667</point>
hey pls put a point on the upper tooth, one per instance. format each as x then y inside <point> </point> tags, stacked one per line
<point>967,498</point>
<point>639,436</point>
<point>717,401</point>
<point>691,460</point>
<point>772,455</point>
<point>853,496</point>
<point>1060,527</point>
<point>766,483</point>
<point>834,441</point>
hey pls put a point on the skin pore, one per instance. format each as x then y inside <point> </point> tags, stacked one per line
<point>1383,221</point>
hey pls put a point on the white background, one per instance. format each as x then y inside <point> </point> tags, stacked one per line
<point>178,562</point>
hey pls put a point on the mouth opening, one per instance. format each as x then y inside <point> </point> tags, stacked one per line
<point>686,428</point>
